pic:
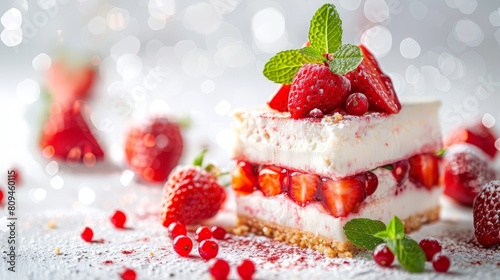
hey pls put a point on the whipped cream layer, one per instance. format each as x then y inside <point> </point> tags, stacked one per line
<point>337,146</point>
<point>381,205</point>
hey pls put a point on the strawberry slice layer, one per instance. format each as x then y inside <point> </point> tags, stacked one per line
<point>424,170</point>
<point>340,197</point>
<point>67,136</point>
<point>377,86</point>
<point>279,101</point>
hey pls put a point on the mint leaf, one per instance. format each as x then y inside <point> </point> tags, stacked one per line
<point>388,167</point>
<point>410,255</point>
<point>282,67</point>
<point>313,53</point>
<point>360,232</point>
<point>382,235</point>
<point>346,59</point>
<point>325,32</point>
<point>395,229</point>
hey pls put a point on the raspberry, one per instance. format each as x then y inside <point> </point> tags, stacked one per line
<point>356,104</point>
<point>183,245</point>
<point>208,249</point>
<point>383,256</point>
<point>87,234</point>
<point>440,262</point>
<point>118,219</point>
<point>430,246</point>
<point>219,269</point>
<point>486,211</point>
<point>246,269</point>
<point>202,233</point>
<point>175,229</point>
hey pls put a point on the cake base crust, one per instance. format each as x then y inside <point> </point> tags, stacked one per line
<point>325,245</point>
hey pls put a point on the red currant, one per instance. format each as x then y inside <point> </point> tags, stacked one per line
<point>382,255</point>
<point>87,234</point>
<point>183,245</point>
<point>430,246</point>
<point>440,262</point>
<point>316,113</point>
<point>202,233</point>
<point>208,249</point>
<point>400,170</point>
<point>356,104</point>
<point>118,219</point>
<point>219,269</point>
<point>218,232</point>
<point>371,182</point>
<point>246,269</point>
<point>128,274</point>
<point>175,229</point>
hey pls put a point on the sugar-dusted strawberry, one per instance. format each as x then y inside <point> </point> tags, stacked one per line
<point>400,170</point>
<point>424,170</point>
<point>340,197</point>
<point>466,169</point>
<point>67,136</point>
<point>316,87</point>
<point>486,215</point>
<point>154,149</point>
<point>191,194</point>
<point>69,83</point>
<point>243,179</point>
<point>303,187</point>
<point>279,101</point>
<point>474,133</point>
<point>374,84</point>
<point>270,180</point>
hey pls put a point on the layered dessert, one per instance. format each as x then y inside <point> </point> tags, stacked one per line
<point>335,143</point>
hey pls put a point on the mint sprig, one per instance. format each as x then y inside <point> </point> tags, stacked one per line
<point>368,234</point>
<point>325,38</point>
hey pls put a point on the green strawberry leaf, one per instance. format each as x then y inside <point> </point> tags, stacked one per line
<point>313,53</point>
<point>360,232</point>
<point>198,160</point>
<point>346,59</point>
<point>282,67</point>
<point>410,255</point>
<point>325,32</point>
<point>395,229</point>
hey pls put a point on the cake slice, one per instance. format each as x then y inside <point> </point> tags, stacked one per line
<point>335,144</point>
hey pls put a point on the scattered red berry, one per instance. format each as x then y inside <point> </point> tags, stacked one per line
<point>342,196</point>
<point>303,187</point>
<point>219,269</point>
<point>87,234</point>
<point>316,86</point>
<point>279,101</point>
<point>424,170</point>
<point>219,232</point>
<point>246,269</point>
<point>153,150</point>
<point>67,136</point>
<point>175,229</point>
<point>374,84</point>
<point>371,182</point>
<point>191,194</point>
<point>466,170</point>
<point>383,256</point>
<point>1,197</point>
<point>474,133</point>
<point>400,170</point>
<point>356,104</point>
<point>128,274</point>
<point>202,233</point>
<point>243,179</point>
<point>270,178</point>
<point>430,246</point>
<point>440,262</point>
<point>118,219</point>
<point>487,215</point>
<point>208,249</point>
<point>183,245</point>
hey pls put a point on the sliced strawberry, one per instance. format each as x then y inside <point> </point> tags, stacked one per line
<point>279,101</point>
<point>303,187</point>
<point>316,87</point>
<point>340,197</point>
<point>378,88</point>
<point>474,133</point>
<point>400,170</point>
<point>67,136</point>
<point>270,180</point>
<point>424,170</point>
<point>243,179</point>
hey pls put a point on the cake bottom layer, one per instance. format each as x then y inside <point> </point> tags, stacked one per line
<point>318,242</point>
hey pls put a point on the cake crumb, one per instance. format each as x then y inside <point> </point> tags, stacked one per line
<point>57,251</point>
<point>151,253</point>
<point>241,230</point>
<point>336,118</point>
<point>51,224</point>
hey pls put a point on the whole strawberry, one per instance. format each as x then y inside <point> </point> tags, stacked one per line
<point>153,150</point>
<point>316,87</point>
<point>475,133</point>
<point>487,215</point>
<point>191,194</point>
<point>466,170</point>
